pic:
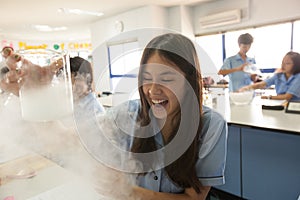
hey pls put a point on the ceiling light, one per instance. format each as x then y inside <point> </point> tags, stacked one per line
<point>46,28</point>
<point>79,12</point>
<point>61,28</point>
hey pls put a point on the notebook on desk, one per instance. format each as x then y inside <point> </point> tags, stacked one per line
<point>293,107</point>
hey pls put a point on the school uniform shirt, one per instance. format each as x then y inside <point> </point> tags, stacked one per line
<point>237,79</point>
<point>283,86</point>
<point>85,111</point>
<point>211,159</point>
<point>212,154</point>
<point>88,103</point>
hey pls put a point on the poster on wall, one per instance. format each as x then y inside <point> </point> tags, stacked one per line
<point>73,47</point>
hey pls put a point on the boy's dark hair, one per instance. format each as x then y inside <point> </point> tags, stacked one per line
<point>245,39</point>
<point>80,66</point>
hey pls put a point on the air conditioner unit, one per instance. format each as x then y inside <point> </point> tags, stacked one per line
<point>221,19</point>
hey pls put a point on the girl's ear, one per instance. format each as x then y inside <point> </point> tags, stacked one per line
<point>88,78</point>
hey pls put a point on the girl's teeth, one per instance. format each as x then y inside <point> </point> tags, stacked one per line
<point>157,101</point>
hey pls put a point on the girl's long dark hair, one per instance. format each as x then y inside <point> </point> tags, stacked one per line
<point>179,50</point>
<point>296,61</point>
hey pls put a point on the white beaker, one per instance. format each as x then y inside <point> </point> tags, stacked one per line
<point>46,93</point>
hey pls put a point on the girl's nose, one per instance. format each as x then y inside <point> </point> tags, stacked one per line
<point>155,89</point>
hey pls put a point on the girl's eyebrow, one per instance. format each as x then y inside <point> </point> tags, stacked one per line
<point>168,73</point>
<point>163,73</point>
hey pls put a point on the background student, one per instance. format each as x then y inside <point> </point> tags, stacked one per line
<point>82,86</point>
<point>287,82</point>
<point>234,66</point>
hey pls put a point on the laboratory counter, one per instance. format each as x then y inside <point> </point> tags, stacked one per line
<point>262,151</point>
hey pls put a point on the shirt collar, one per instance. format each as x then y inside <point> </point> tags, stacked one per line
<point>283,78</point>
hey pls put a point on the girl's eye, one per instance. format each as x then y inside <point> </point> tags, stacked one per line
<point>147,79</point>
<point>167,80</point>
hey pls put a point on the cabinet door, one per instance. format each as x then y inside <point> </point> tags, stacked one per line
<point>270,165</point>
<point>232,170</point>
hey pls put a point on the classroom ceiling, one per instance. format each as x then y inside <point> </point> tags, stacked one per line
<point>19,18</point>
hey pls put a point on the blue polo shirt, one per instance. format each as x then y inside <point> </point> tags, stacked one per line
<point>283,86</point>
<point>211,158</point>
<point>237,79</point>
<point>88,104</point>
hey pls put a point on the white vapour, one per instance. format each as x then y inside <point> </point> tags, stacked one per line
<point>59,141</point>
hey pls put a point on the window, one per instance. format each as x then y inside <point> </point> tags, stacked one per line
<point>271,43</point>
<point>296,38</point>
<point>212,45</point>
<point>124,60</point>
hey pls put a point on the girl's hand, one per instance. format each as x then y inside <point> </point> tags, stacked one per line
<point>31,74</point>
<point>13,60</point>
<point>264,97</point>
<point>12,82</point>
<point>7,51</point>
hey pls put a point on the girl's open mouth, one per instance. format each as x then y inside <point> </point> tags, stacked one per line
<point>160,102</point>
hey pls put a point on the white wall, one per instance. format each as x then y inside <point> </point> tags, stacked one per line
<point>104,32</point>
<point>180,18</point>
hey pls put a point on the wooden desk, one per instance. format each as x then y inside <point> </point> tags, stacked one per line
<point>50,182</point>
<point>30,162</point>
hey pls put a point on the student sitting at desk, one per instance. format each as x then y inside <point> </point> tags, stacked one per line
<point>82,80</point>
<point>287,82</point>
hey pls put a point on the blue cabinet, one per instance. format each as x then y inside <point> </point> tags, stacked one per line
<point>262,164</point>
<point>232,169</point>
<point>270,165</point>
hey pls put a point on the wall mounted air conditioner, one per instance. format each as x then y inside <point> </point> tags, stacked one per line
<point>221,19</point>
